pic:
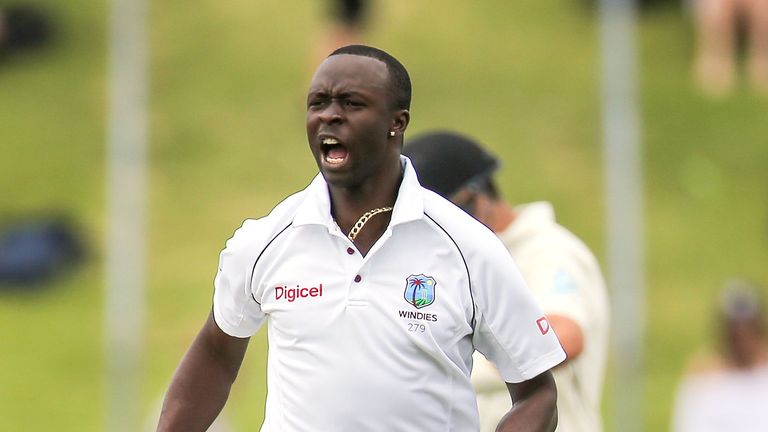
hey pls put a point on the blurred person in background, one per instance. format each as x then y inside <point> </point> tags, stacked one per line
<point>23,28</point>
<point>719,23</point>
<point>726,390</point>
<point>562,272</point>
<point>347,26</point>
<point>375,291</point>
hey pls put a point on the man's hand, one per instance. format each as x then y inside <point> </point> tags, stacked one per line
<point>534,406</point>
<point>201,384</point>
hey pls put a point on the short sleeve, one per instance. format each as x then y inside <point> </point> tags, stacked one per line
<point>234,308</point>
<point>511,329</point>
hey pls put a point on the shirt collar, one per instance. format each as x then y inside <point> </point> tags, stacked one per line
<point>316,207</point>
<point>530,218</point>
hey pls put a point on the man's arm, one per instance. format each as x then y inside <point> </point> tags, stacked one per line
<point>569,333</point>
<point>201,384</point>
<point>534,406</point>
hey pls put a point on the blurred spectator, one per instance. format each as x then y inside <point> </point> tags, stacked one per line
<point>348,19</point>
<point>561,271</point>
<point>719,23</point>
<point>727,390</point>
<point>22,27</point>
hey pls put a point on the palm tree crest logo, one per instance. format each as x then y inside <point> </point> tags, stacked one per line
<point>420,290</point>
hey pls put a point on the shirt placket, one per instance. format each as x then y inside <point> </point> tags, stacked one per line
<point>355,266</point>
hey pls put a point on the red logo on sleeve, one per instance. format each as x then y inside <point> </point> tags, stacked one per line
<point>543,325</point>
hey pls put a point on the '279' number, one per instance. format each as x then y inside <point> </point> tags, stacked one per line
<point>417,327</point>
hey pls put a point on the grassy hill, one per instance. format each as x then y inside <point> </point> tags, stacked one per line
<point>227,142</point>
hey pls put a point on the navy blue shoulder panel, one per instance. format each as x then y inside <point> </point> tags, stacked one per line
<point>466,267</point>
<point>253,269</point>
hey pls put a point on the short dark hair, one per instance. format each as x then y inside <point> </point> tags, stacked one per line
<point>400,82</point>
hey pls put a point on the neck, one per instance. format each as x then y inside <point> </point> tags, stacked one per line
<point>502,215</point>
<point>348,203</point>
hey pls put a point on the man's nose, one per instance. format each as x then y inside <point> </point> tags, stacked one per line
<point>332,113</point>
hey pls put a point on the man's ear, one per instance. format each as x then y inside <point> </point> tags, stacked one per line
<point>400,121</point>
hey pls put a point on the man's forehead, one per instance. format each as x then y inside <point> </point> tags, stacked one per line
<point>351,71</point>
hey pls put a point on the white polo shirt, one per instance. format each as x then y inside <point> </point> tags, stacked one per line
<point>382,342</point>
<point>723,400</point>
<point>565,278</point>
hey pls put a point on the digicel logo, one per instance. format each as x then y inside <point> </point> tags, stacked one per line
<point>291,294</point>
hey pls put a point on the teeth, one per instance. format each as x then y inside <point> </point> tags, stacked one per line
<point>330,141</point>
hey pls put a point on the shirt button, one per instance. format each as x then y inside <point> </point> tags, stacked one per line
<point>358,278</point>
<point>350,251</point>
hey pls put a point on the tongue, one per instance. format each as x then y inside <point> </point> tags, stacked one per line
<point>337,152</point>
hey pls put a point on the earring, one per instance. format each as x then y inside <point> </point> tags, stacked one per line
<point>391,133</point>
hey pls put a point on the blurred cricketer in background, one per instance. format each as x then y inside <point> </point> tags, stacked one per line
<point>725,389</point>
<point>376,291</point>
<point>562,272</point>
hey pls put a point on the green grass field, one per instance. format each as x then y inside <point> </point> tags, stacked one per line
<point>227,142</point>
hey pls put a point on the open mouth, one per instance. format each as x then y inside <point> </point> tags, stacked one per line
<point>334,153</point>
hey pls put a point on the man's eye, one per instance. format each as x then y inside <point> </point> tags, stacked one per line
<point>355,104</point>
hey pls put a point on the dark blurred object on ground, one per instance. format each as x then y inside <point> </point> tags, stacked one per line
<point>727,390</point>
<point>720,26</point>
<point>23,28</point>
<point>36,250</point>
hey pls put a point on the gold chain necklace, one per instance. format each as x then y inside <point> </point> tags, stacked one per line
<point>363,219</point>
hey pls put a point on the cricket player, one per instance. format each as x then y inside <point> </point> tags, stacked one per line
<point>560,270</point>
<point>375,291</point>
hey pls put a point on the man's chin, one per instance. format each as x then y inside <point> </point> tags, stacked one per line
<point>338,178</point>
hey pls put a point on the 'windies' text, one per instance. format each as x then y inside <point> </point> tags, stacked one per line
<point>417,315</point>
